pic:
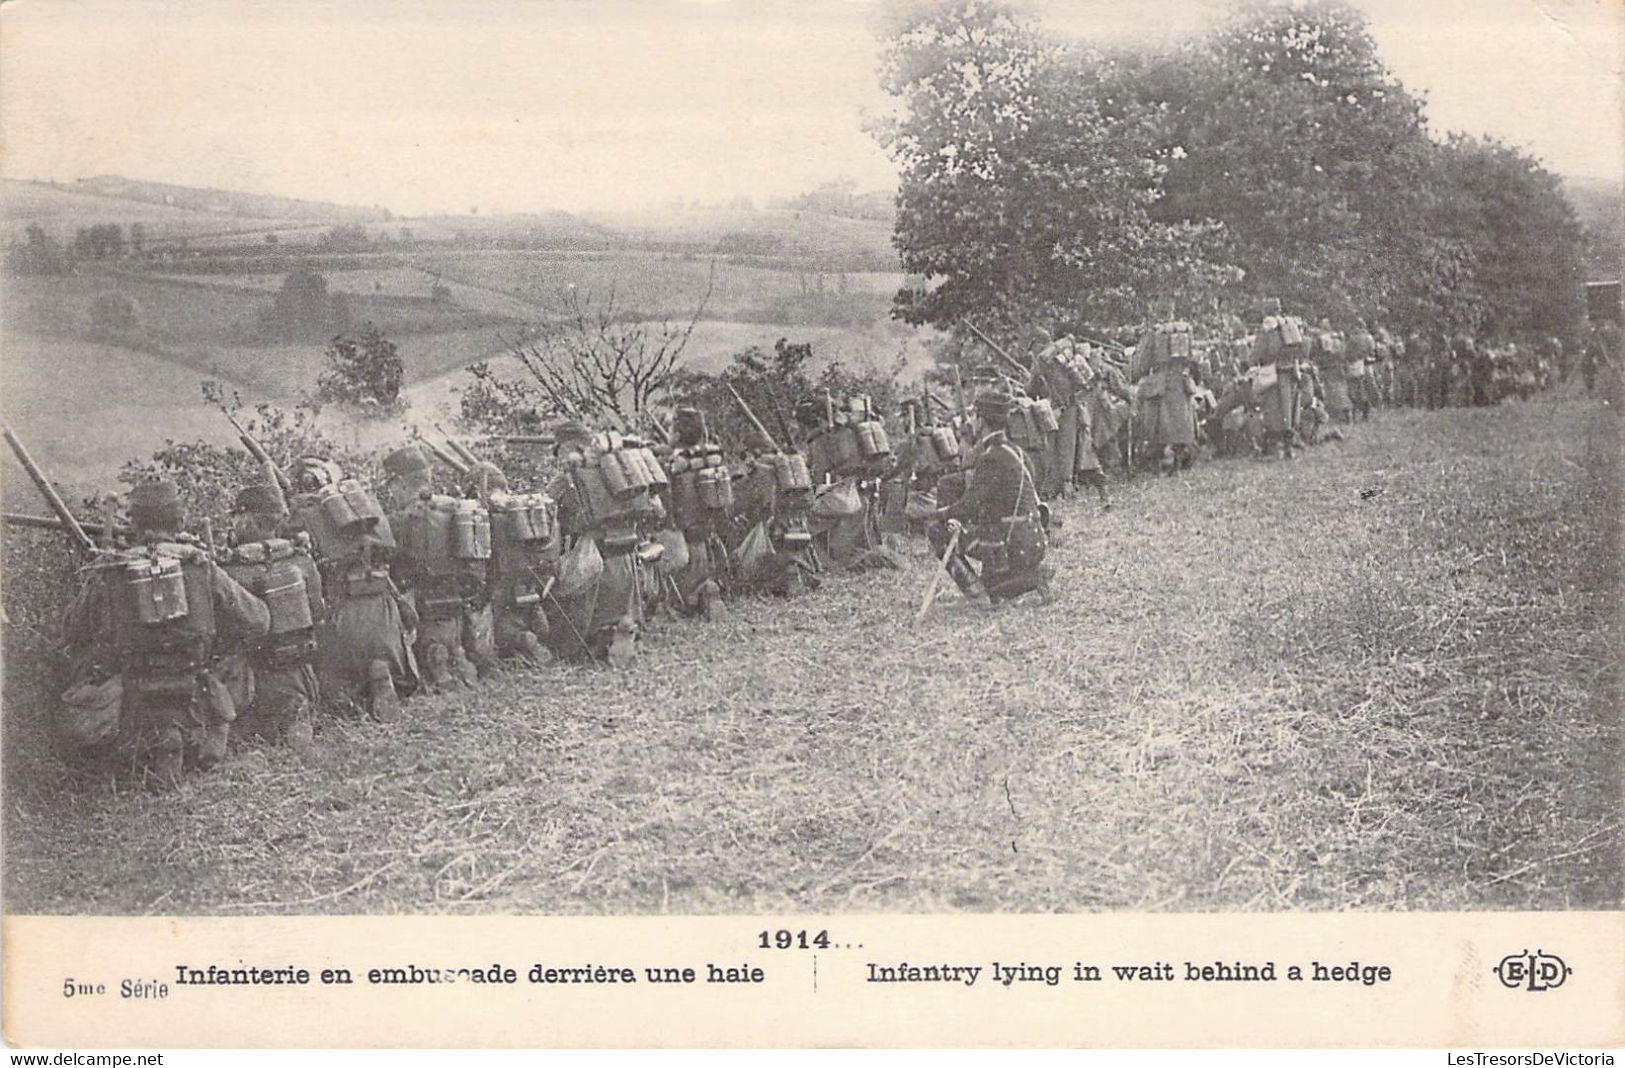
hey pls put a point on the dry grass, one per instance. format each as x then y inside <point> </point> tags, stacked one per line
<point>1384,676</point>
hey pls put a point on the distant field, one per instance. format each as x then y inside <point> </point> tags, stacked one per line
<point>84,408</point>
<point>811,236</point>
<point>667,283</point>
<point>62,211</point>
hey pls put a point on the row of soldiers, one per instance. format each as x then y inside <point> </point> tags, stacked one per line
<point>1266,393</point>
<point>329,593</point>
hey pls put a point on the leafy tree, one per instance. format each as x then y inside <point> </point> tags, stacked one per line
<point>1027,178</point>
<point>99,242</point>
<point>363,371</point>
<point>39,254</point>
<point>1286,128</point>
<point>1520,241</point>
<point>303,308</point>
<point>209,475</point>
<point>775,384</point>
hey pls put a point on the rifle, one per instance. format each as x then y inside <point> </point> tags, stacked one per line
<point>445,456</point>
<point>937,573</point>
<point>990,343</point>
<point>530,439</point>
<point>257,451</point>
<point>458,447</point>
<point>932,398</point>
<point>45,522</point>
<point>757,423</point>
<point>69,523</point>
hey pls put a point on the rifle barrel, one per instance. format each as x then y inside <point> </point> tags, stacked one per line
<point>444,456</point>
<point>530,439</point>
<point>69,523</point>
<point>257,451</point>
<point>990,343</point>
<point>46,522</point>
<point>757,423</point>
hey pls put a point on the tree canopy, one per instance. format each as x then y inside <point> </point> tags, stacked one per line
<point>1043,182</point>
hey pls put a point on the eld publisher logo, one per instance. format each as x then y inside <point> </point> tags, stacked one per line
<point>1535,971</point>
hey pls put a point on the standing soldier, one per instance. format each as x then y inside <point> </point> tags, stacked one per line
<point>1278,348</point>
<point>173,620</point>
<point>1000,509</point>
<point>1329,354</point>
<point>364,654</point>
<point>1111,410</point>
<point>1062,376</point>
<point>444,551</point>
<point>1169,392</point>
<point>1361,352</point>
<point>281,572</point>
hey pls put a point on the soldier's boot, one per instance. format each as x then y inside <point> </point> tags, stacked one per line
<point>383,703</point>
<point>712,606</point>
<point>532,649</point>
<point>463,669</point>
<point>977,594</point>
<point>167,761</point>
<point>212,749</point>
<point>299,734</point>
<point>438,663</point>
<point>1046,595</point>
<point>622,650</point>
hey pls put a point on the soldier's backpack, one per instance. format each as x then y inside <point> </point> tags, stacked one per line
<point>445,551</point>
<point>615,489</point>
<point>701,486</point>
<point>274,571</point>
<point>1277,338</point>
<point>938,447</point>
<point>1023,428</point>
<point>345,524</point>
<point>1043,416</point>
<point>524,547</point>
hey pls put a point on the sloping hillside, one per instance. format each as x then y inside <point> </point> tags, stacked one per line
<point>61,211</point>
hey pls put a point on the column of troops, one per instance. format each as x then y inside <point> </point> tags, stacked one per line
<point>330,594</point>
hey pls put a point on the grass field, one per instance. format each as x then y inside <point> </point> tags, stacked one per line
<point>1383,676</point>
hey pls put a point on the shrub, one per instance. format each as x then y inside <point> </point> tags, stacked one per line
<point>364,371</point>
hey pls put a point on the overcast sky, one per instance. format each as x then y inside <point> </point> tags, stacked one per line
<point>578,104</point>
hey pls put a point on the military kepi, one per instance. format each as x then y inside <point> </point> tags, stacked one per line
<point>261,498</point>
<point>404,461</point>
<point>156,505</point>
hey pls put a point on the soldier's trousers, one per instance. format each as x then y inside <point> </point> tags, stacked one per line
<point>284,696</point>
<point>362,629</point>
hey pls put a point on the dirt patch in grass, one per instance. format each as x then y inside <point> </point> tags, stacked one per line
<point>1382,676</point>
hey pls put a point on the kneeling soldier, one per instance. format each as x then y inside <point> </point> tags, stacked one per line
<point>444,551</point>
<point>365,650</point>
<point>171,618</point>
<point>281,572</point>
<point>1001,509</point>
